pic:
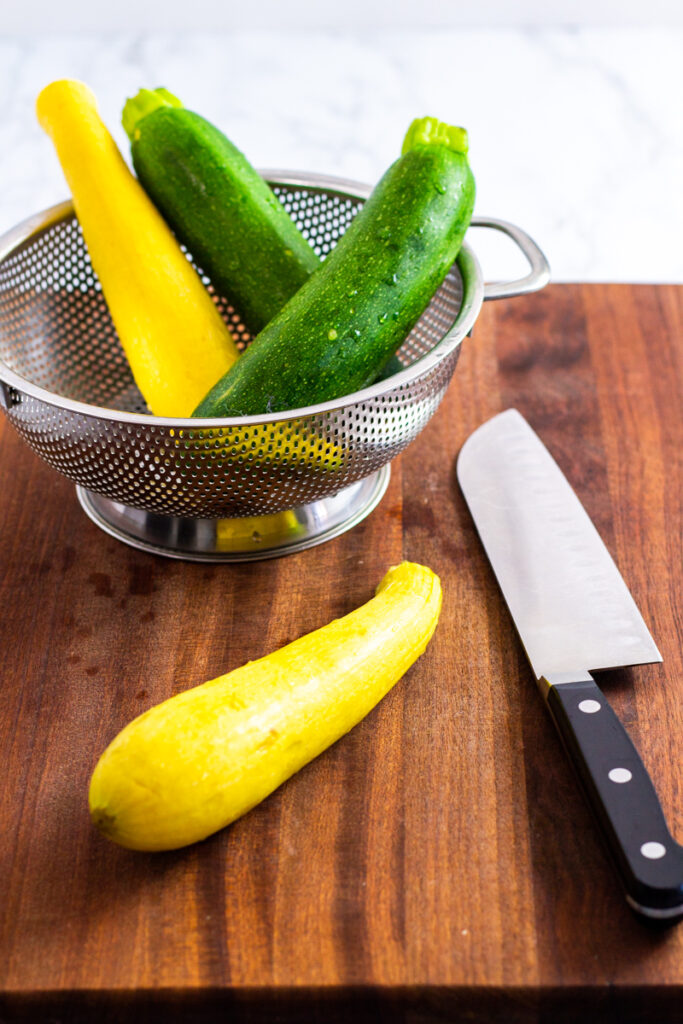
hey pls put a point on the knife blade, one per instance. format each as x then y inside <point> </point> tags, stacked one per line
<point>574,615</point>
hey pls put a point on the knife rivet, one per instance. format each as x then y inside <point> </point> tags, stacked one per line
<point>653,851</point>
<point>620,775</point>
<point>589,707</point>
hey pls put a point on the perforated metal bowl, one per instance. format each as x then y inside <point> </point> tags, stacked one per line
<point>215,489</point>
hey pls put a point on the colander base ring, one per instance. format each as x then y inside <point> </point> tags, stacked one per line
<point>237,540</point>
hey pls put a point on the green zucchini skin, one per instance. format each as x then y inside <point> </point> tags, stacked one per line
<point>223,211</point>
<point>337,332</point>
<point>393,366</point>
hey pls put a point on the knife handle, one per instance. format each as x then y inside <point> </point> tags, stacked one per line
<point>620,792</point>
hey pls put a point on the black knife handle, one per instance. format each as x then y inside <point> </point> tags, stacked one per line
<point>622,796</point>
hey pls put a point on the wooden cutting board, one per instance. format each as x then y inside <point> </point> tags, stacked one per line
<point>436,864</point>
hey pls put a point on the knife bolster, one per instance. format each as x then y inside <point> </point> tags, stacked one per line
<point>546,682</point>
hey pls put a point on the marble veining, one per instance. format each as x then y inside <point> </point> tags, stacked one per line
<point>576,135</point>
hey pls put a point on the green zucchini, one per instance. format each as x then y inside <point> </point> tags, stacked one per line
<point>393,366</point>
<point>218,206</point>
<point>338,331</point>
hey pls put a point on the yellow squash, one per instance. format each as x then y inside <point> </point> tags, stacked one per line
<point>191,765</point>
<point>275,444</point>
<point>249,533</point>
<point>175,340</point>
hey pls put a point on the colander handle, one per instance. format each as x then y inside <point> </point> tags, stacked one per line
<point>539,274</point>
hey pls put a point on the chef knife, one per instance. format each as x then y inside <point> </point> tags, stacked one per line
<point>574,615</point>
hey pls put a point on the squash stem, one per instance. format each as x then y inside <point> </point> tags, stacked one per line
<point>428,131</point>
<point>144,103</point>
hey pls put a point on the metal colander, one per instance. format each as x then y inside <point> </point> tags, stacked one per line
<point>221,488</point>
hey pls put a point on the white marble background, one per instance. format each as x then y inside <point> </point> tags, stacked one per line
<point>576,134</point>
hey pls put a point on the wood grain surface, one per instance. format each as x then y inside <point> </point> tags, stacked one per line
<point>436,864</point>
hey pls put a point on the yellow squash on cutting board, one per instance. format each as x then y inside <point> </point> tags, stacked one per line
<point>191,765</point>
<point>175,340</point>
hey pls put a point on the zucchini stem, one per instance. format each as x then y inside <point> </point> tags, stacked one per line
<point>144,103</point>
<point>428,131</point>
